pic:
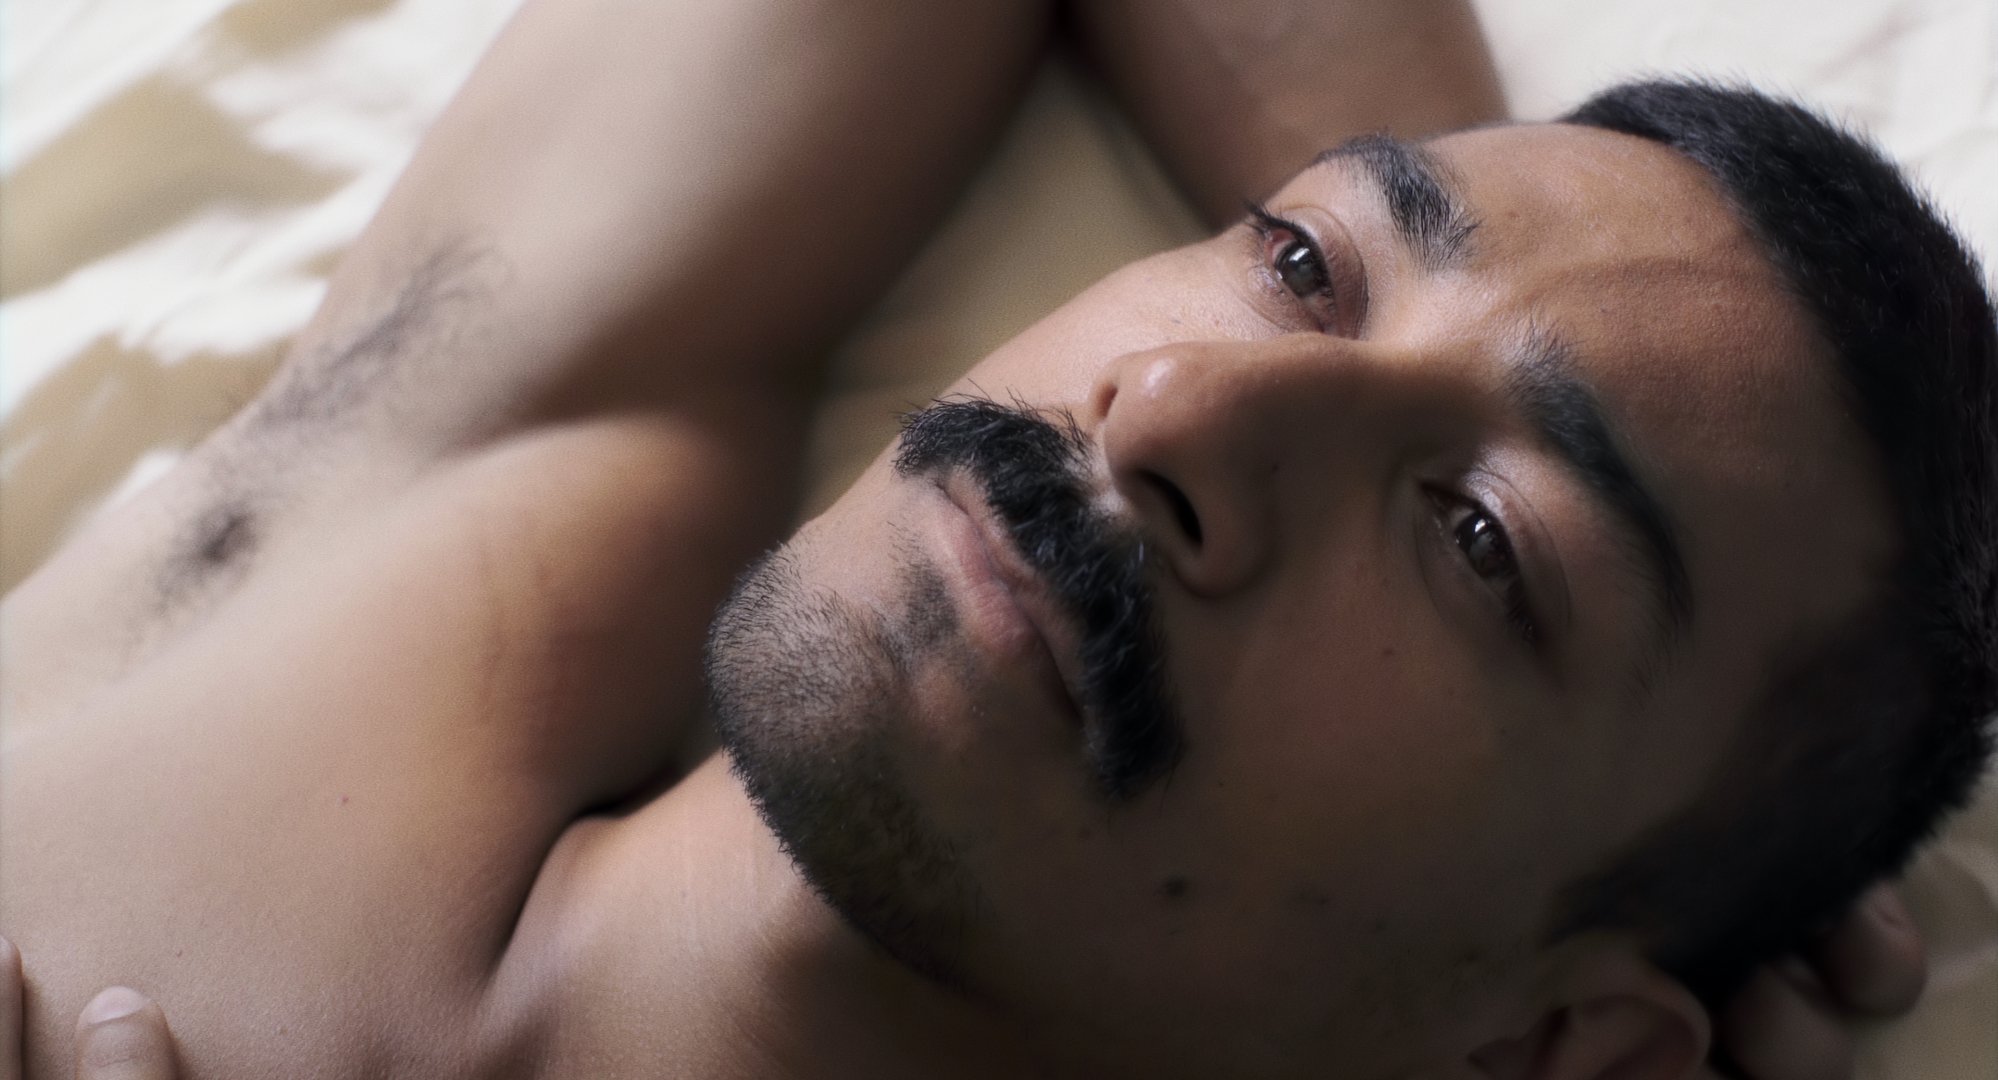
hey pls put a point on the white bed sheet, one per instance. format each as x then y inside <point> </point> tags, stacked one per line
<point>180,175</point>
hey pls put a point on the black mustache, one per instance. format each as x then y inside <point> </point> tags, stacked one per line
<point>1031,471</point>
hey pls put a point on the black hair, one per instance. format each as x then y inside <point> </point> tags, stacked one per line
<point>1868,735</point>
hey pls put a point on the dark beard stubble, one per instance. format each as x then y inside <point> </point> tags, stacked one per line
<point>801,690</point>
<point>802,687</point>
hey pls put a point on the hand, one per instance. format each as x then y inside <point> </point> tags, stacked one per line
<point>1793,1020</point>
<point>120,1035</point>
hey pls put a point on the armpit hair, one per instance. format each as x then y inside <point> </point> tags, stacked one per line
<point>254,466</point>
<point>359,370</point>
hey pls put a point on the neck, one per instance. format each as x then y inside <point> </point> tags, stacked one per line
<point>681,932</point>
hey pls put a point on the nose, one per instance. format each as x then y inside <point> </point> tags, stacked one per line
<point>1224,450</point>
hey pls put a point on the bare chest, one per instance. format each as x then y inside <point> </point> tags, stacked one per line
<point>307,822</point>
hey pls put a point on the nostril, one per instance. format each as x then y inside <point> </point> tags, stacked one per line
<point>1182,507</point>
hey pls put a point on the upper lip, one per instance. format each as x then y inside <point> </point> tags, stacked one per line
<point>1037,600</point>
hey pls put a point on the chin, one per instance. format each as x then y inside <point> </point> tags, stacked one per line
<point>805,689</point>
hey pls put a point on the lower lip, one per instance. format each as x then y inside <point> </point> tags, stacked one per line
<point>991,612</point>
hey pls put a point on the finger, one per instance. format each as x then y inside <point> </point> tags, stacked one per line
<point>123,1036</point>
<point>1774,1031</point>
<point>1873,961</point>
<point>11,1048</point>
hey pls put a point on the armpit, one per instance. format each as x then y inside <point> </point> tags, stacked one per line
<point>418,332</point>
<point>295,443</point>
<point>316,447</point>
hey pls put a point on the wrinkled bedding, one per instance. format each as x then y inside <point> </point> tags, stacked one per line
<point>180,176</point>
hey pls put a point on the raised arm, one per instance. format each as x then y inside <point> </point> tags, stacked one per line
<point>442,585</point>
<point>656,202</point>
<point>1236,97</point>
<point>649,212</point>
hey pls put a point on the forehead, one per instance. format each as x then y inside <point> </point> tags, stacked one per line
<point>1722,391</point>
<point>1629,251</point>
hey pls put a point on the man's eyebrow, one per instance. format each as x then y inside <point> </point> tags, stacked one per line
<point>1564,414</point>
<point>1421,199</point>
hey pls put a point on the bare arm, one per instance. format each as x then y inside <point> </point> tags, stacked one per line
<point>666,200</point>
<point>1236,97</point>
<point>449,573</point>
<point>636,215</point>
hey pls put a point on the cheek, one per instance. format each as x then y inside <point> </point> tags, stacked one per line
<point>1338,738</point>
<point>1350,809</point>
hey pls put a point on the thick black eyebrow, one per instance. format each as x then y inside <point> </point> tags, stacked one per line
<point>1542,383</point>
<point>1421,199</point>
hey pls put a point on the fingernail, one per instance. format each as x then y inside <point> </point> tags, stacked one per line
<point>113,1004</point>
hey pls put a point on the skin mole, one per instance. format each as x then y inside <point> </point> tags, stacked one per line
<point>1175,887</point>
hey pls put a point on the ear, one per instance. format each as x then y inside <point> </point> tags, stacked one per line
<point>1614,1017</point>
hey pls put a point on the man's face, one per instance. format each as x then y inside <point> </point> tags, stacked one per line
<point>1464,541</point>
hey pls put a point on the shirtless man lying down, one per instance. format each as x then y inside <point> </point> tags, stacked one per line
<point>1455,622</point>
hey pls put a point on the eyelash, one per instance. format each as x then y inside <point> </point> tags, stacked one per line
<point>1267,225</point>
<point>1511,591</point>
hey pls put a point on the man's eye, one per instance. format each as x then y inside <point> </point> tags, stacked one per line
<point>1484,545</point>
<point>1488,551</point>
<point>1302,271</point>
<point>1293,261</point>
